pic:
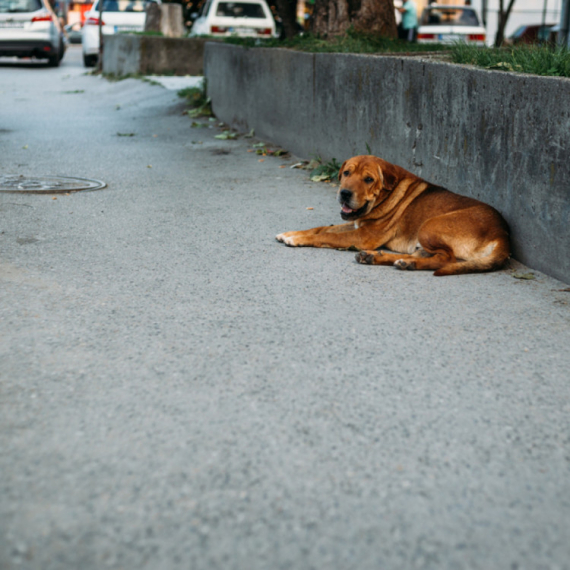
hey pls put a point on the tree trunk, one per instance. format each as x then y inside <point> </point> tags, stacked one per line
<point>165,18</point>
<point>503,19</point>
<point>334,17</point>
<point>287,12</point>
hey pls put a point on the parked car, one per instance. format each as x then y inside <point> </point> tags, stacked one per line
<point>30,28</point>
<point>73,32</point>
<point>532,34</point>
<point>449,24</point>
<point>118,16</point>
<point>244,18</point>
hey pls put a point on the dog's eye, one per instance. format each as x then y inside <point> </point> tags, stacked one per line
<point>346,173</point>
<point>368,180</point>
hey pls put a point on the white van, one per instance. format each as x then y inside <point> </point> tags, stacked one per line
<point>244,18</point>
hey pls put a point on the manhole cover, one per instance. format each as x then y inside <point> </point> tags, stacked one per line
<point>47,184</point>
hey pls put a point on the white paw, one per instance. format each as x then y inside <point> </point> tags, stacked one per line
<point>288,238</point>
<point>402,264</point>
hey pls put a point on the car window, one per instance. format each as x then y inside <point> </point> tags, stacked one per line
<point>449,17</point>
<point>121,6</point>
<point>519,32</point>
<point>205,7</point>
<point>240,10</point>
<point>13,6</point>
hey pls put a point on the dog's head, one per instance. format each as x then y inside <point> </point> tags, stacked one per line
<point>365,182</point>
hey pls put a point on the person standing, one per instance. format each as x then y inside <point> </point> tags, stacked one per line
<point>409,20</point>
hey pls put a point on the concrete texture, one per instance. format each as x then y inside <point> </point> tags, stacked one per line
<point>180,391</point>
<point>126,54</point>
<point>500,137</point>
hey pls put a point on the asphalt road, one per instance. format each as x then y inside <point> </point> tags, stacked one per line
<point>179,390</point>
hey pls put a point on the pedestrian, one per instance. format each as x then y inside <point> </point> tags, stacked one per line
<point>409,20</point>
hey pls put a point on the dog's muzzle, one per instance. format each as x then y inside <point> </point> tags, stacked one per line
<point>346,212</point>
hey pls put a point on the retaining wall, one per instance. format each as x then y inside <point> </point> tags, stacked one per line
<point>503,138</point>
<point>126,54</point>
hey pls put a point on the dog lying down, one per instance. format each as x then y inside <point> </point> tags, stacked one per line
<point>429,227</point>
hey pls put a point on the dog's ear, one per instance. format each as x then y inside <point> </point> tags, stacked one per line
<point>389,177</point>
<point>341,170</point>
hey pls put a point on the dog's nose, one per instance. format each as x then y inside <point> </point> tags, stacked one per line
<point>345,195</point>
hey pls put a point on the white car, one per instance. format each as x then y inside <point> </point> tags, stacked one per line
<point>441,24</point>
<point>118,16</point>
<point>245,18</point>
<point>30,28</point>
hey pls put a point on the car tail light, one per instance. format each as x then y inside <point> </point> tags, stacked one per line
<point>92,21</point>
<point>264,32</point>
<point>476,37</point>
<point>426,36</point>
<point>43,17</point>
<point>218,30</point>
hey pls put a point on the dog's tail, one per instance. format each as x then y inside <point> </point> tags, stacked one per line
<point>499,253</point>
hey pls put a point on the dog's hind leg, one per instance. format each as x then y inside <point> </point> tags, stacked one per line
<point>385,258</point>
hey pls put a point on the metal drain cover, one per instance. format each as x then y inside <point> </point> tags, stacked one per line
<point>47,184</point>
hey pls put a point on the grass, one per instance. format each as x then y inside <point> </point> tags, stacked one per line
<point>537,60</point>
<point>324,171</point>
<point>351,42</point>
<point>534,59</point>
<point>198,100</point>
<point>145,33</point>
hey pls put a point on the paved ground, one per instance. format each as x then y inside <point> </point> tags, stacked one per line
<point>178,390</point>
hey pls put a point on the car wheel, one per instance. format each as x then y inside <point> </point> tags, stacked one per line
<point>53,60</point>
<point>89,60</point>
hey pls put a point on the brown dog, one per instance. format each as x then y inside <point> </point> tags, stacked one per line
<point>431,227</point>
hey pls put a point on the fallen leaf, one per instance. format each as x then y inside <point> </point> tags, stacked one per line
<point>320,178</point>
<point>283,166</point>
<point>149,165</point>
<point>505,66</point>
<point>226,135</point>
<point>298,165</point>
<point>567,290</point>
<point>54,198</point>
<point>25,147</point>
<point>310,208</point>
<point>261,160</point>
<point>250,150</point>
<point>527,276</point>
<point>154,136</point>
<point>258,145</point>
<point>249,135</point>
<point>280,152</point>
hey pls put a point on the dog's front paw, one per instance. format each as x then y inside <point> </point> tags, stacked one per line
<point>366,257</point>
<point>402,264</point>
<point>288,238</point>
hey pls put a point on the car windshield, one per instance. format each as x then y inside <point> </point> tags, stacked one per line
<point>240,10</point>
<point>12,6</point>
<point>121,6</point>
<point>443,16</point>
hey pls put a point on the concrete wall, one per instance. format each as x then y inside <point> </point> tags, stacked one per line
<point>503,138</point>
<point>126,54</point>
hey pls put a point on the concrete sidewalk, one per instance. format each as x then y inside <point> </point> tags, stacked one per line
<point>181,391</point>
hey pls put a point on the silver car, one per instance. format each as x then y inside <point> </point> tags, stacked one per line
<point>30,28</point>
